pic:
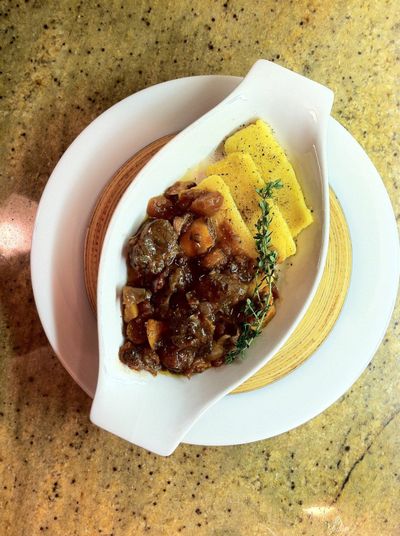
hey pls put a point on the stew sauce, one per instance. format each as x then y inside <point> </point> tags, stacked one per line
<point>188,280</point>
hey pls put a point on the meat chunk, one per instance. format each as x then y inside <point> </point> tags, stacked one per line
<point>193,329</point>
<point>177,188</point>
<point>199,365</point>
<point>136,331</point>
<point>242,266</point>
<point>177,360</point>
<point>216,257</point>
<point>207,203</point>
<point>200,202</point>
<point>146,309</point>
<point>154,247</point>
<point>180,278</point>
<point>160,207</point>
<point>187,197</point>
<point>222,290</point>
<point>139,358</point>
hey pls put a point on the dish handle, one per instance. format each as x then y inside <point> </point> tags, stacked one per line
<point>123,409</point>
<point>267,80</point>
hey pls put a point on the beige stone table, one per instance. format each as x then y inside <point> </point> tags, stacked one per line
<point>62,63</point>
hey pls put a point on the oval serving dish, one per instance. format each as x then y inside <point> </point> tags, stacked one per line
<point>156,412</point>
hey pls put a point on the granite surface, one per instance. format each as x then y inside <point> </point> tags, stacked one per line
<point>62,64</point>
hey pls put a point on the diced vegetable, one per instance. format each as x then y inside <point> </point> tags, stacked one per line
<point>154,330</point>
<point>198,239</point>
<point>131,311</point>
<point>131,296</point>
<point>134,295</point>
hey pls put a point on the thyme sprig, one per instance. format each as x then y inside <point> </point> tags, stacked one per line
<point>259,303</point>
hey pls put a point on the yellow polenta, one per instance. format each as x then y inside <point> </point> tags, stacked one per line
<point>240,173</point>
<point>257,140</point>
<point>229,213</point>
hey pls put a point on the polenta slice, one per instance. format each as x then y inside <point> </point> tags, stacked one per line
<point>240,173</point>
<point>230,213</point>
<point>257,139</point>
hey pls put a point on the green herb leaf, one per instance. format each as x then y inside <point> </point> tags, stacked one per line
<point>257,306</point>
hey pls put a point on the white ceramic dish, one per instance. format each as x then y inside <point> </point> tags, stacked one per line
<point>58,242</point>
<point>155,412</point>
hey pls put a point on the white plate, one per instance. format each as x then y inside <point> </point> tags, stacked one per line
<point>298,110</point>
<point>57,261</point>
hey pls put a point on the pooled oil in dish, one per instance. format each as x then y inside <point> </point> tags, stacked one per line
<point>199,172</point>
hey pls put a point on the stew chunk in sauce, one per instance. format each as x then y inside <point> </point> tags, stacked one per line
<point>187,285</point>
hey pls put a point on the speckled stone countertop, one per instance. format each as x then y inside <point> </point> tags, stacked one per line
<point>62,64</point>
